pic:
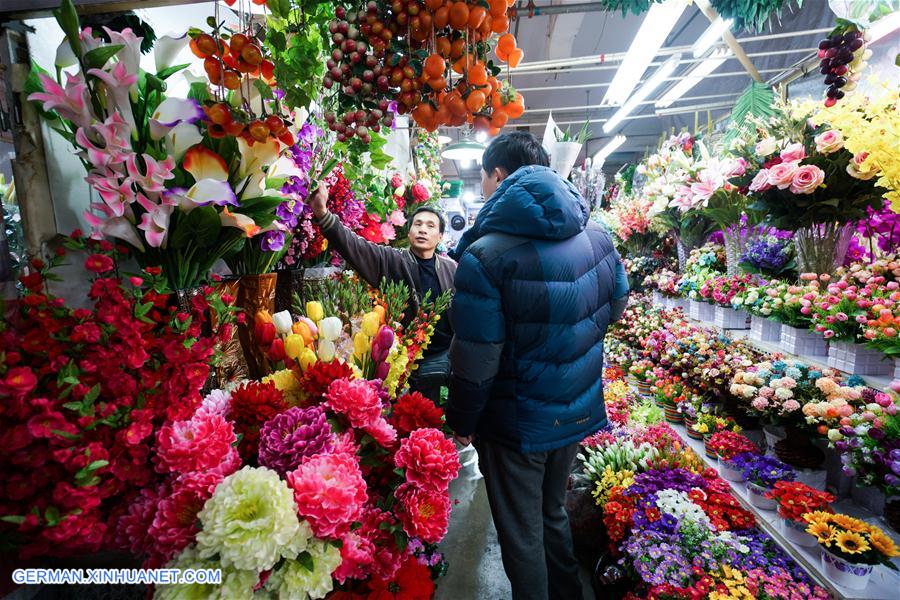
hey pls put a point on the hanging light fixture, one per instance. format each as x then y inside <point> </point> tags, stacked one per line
<point>465,149</point>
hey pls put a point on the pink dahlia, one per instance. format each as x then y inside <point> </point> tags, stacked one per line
<point>201,443</point>
<point>430,459</point>
<point>423,513</point>
<point>357,557</point>
<point>292,436</point>
<point>330,493</point>
<point>356,399</point>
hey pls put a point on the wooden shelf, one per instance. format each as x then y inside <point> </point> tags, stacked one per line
<point>883,583</point>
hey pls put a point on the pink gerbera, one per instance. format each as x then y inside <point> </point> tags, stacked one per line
<point>356,399</point>
<point>201,443</point>
<point>430,459</point>
<point>330,493</point>
<point>423,513</point>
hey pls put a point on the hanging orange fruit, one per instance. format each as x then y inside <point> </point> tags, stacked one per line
<point>441,17</point>
<point>499,119</point>
<point>478,74</point>
<point>500,24</point>
<point>442,46</point>
<point>457,48</point>
<point>515,57</point>
<point>435,65</point>
<point>506,43</point>
<point>481,123</point>
<point>475,101</point>
<point>459,15</point>
<point>476,17</point>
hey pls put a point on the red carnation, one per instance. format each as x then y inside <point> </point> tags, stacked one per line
<point>98,263</point>
<point>411,582</point>
<point>19,382</point>
<point>415,411</point>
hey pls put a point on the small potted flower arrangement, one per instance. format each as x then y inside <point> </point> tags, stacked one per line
<point>762,473</point>
<point>794,500</point>
<point>721,291</point>
<point>792,306</point>
<point>727,445</point>
<point>708,424</point>
<point>643,373</point>
<point>669,393</point>
<point>852,548</point>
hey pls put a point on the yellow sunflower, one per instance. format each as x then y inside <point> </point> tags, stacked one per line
<point>823,532</point>
<point>818,516</point>
<point>883,543</point>
<point>851,543</point>
<point>850,524</point>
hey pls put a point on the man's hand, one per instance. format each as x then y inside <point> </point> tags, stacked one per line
<point>464,441</point>
<point>319,200</point>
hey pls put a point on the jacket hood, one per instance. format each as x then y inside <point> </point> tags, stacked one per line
<point>534,202</point>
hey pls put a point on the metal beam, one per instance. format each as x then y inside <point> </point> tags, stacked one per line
<point>27,9</point>
<point>584,86</point>
<point>712,14</point>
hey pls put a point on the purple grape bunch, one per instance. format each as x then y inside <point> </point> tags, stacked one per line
<point>842,55</point>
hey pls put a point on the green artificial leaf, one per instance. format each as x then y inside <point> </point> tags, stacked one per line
<point>154,83</point>
<point>51,515</point>
<point>277,40</point>
<point>306,561</point>
<point>14,519</point>
<point>280,8</point>
<point>200,227</point>
<point>264,90</point>
<point>96,58</point>
<point>67,17</point>
<point>199,92</point>
<point>757,101</point>
<point>169,71</point>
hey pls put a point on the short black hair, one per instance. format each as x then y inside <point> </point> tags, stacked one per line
<point>509,151</point>
<point>432,210</point>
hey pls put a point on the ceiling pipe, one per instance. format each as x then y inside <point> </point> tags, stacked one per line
<point>712,14</point>
<point>562,109</point>
<point>531,10</point>
<point>583,86</point>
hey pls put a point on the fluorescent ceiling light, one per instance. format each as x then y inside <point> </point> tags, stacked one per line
<point>608,149</point>
<point>481,136</point>
<point>660,20</point>
<point>712,35</point>
<point>693,77</point>
<point>643,92</point>
<point>883,27</point>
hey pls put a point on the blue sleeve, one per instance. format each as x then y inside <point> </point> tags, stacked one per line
<point>621,286</point>
<point>479,327</point>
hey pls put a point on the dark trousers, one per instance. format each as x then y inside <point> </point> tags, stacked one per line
<point>527,494</point>
<point>433,372</point>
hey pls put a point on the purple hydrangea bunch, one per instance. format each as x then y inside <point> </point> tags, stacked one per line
<point>293,435</point>
<point>770,253</point>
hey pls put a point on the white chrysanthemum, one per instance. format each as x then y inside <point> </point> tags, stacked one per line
<point>235,583</point>
<point>307,577</point>
<point>680,506</point>
<point>249,521</point>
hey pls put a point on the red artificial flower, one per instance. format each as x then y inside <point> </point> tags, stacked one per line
<point>415,411</point>
<point>411,582</point>
<point>19,381</point>
<point>420,193</point>
<point>317,378</point>
<point>252,404</point>
<point>424,514</point>
<point>99,263</point>
<point>429,458</point>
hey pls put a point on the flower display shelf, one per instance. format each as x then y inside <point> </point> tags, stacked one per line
<point>854,358</point>
<point>764,330</point>
<point>883,583</point>
<point>658,299</point>
<point>729,318</point>
<point>803,342</point>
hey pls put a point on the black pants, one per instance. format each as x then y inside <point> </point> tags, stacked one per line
<point>432,374</point>
<point>527,494</point>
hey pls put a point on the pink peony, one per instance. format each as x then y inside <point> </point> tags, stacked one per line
<point>829,141</point>
<point>793,152</point>
<point>760,183</point>
<point>423,513</point>
<point>382,432</point>
<point>782,175</point>
<point>420,193</point>
<point>807,179</point>
<point>201,443</point>
<point>357,557</point>
<point>286,440</point>
<point>430,459</point>
<point>330,493</point>
<point>356,399</point>
<point>174,526</point>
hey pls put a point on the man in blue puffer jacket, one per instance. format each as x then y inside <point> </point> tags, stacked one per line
<point>536,289</point>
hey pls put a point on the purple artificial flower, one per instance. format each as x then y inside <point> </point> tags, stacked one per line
<point>289,211</point>
<point>272,241</point>
<point>288,438</point>
<point>762,470</point>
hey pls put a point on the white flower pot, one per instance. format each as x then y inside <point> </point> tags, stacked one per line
<point>815,478</point>
<point>730,473</point>
<point>803,342</point>
<point>658,299</point>
<point>757,496</point>
<point>795,532</point>
<point>857,359</point>
<point>563,156</point>
<point>764,330</point>
<point>694,309</point>
<point>845,574</point>
<point>707,312</point>
<point>729,318</point>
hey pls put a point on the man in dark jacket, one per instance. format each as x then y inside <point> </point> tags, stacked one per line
<point>419,267</point>
<point>535,291</point>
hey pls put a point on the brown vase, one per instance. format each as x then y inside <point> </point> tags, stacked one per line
<point>255,293</point>
<point>797,450</point>
<point>232,365</point>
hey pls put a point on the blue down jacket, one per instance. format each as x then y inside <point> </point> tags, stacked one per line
<point>534,293</point>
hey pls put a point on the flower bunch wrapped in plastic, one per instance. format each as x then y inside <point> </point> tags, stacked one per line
<point>852,539</point>
<point>770,254</point>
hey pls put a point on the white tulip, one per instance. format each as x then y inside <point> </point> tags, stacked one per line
<point>330,329</point>
<point>283,322</point>
<point>326,350</point>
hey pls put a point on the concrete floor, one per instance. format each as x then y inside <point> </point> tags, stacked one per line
<point>471,547</point>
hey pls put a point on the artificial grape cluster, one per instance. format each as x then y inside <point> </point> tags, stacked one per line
<point>357,68</point>
<point>842,55</point>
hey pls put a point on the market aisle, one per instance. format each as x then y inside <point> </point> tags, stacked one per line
<point>471,547</point>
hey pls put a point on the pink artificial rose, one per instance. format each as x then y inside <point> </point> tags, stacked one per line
<point>396,181</point>
<point>760,183</point>
<point>807,179</point>
<point>420,193</point>
<point>782,175</point>
<point>793,152</point>
<point>829,141</point>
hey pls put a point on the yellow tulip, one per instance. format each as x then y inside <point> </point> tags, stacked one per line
<point>307,358</point>
<point>371,323</point>
<point>315,311</point>
<point>294,345</point>
<point>360,344</point>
